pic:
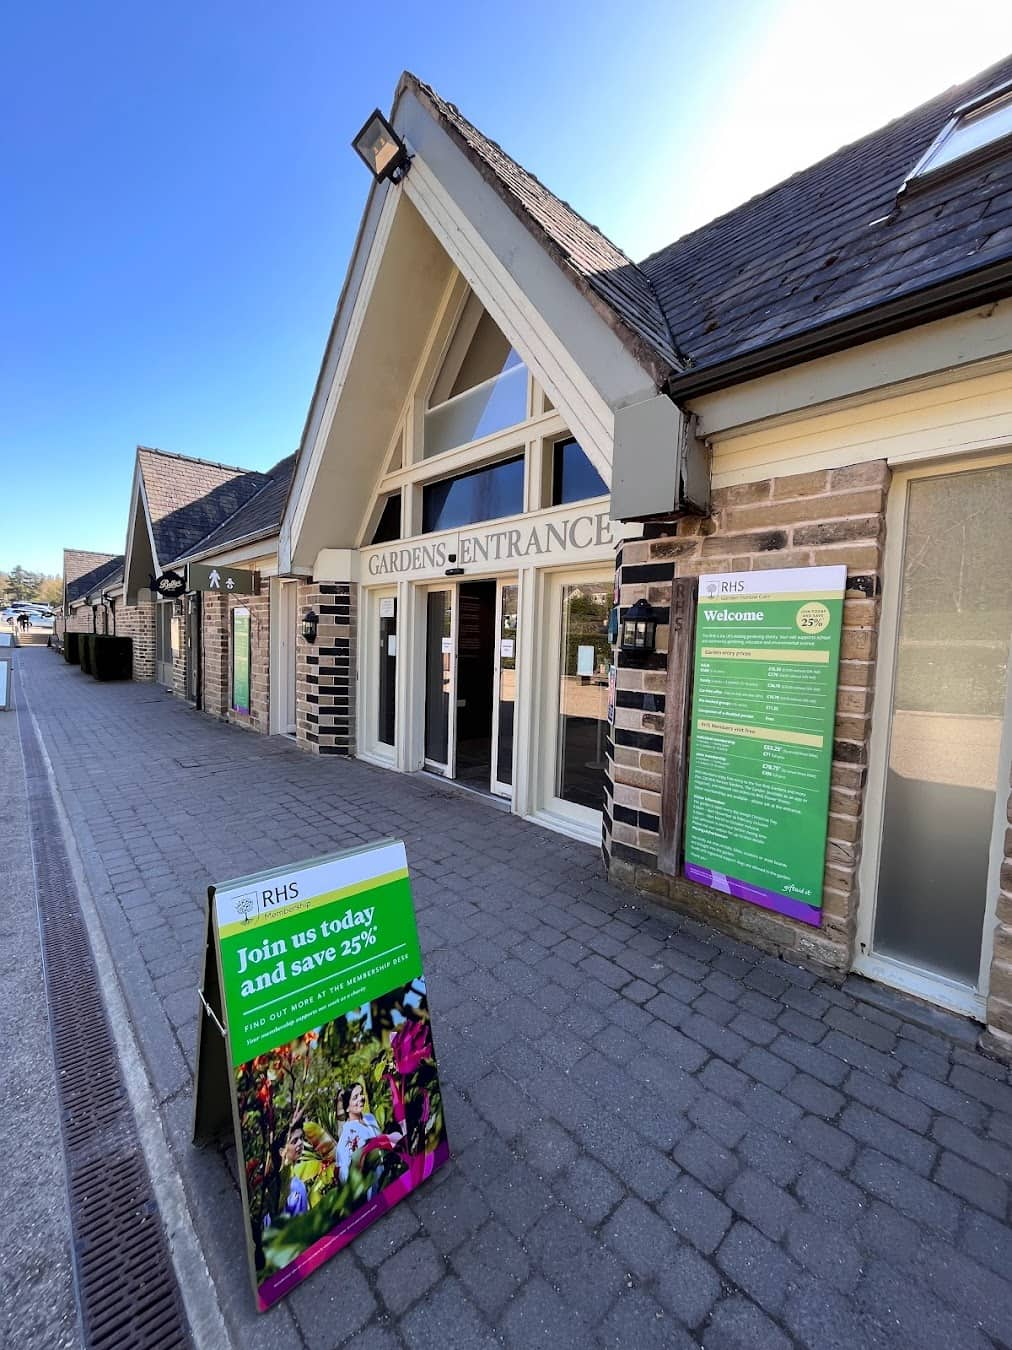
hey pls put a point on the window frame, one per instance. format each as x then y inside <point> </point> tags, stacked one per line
<point>923,174</point>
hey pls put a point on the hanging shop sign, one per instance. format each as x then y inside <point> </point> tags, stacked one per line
<point>223,580</point>
<point>169,585</point>
<point>767,654</point>
<point>240,660</point>
<point>315,1044</point>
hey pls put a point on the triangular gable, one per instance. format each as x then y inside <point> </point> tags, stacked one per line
<point>449,219</point>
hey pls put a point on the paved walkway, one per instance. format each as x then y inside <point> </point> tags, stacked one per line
<point>662,1137</point>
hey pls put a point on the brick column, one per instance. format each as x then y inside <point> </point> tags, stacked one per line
<point>812,519</point>
<point>214,668</point>
<point>137,622</point>
<point>325,670</point>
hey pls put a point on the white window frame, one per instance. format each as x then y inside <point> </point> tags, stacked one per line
<point>887,970</point>
<point>924,172</point>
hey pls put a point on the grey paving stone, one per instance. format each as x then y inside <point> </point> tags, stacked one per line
<point>980,1188</point>
<point>346,1303</point>
<point>823,1192</point>
<point>913,1315</point>
<point>988,1242</point>
<point>637,1320</point>
<point>771,1154</point>
<point>538,1316</point>
<point>871,1127</point>
<point>584,1273</point>
<point>910,1194</point>
<point>986,1153</point>
<point>445,1318</point>
<point>762,1203</point>
<point>707,1160</point>
<point>942,1097</point>
<point>737,1324</point>
<point>821,1320</point>
<point>589,1190</point>
<point>687,1286</point>
<point>819,1246</point>
<point>757,1266</point>
<point>696,1214</point>
<point>409,1274</point>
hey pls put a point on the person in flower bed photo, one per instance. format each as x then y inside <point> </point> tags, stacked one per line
<point>332,1118</point>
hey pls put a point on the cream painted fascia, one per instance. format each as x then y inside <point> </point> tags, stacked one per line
<point>925,357</point>
<point>571,351</point>
<point>945,419</point>
<point>138,499</point>
<point>336,564</point>
<point>261,552</point>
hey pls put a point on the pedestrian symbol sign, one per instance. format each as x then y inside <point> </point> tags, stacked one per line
<point>221,580</point>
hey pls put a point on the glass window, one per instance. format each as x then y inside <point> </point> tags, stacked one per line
<point>493,406</point>
<point>574,478</point>
<point>974,129</point>
<point>583,694</point>
<point>488,355</point>
<point>484,494</point>
<point>388,527</point>
<point>947,720</point>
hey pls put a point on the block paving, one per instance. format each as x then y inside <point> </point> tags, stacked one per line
<point>661,1135</point>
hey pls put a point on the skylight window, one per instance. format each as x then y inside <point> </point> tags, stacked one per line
<point>975,130</point>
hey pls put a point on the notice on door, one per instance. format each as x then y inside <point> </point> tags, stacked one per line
<point>240,660</point>
<point>763,707</point>
<point>315,1029</point>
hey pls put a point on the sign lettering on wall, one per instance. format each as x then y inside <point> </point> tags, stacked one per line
<point>316,1033</point>
<point>767,656</point>
<point>240,660</point>
<point>487,546</point>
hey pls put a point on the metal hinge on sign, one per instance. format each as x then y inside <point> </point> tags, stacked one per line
<point>210,1011</point>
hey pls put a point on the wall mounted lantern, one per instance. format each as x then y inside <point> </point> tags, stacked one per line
<point>310,621</point>
<point>382,150</point>
<point>639,630</point>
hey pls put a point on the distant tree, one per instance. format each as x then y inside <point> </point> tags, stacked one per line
<point>50,590</point>
<point>22,584</point>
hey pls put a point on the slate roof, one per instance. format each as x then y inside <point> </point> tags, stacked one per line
<point>189,498</point>
<point>258,518</point>
<point>613,282</point>
<point>84,572</point>
<point>832,243</point>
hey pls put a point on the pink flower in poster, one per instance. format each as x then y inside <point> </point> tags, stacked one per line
<point>410,1046</point>
<point>396,1099</point>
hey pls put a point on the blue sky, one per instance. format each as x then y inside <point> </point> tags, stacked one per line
<point>181,197</point>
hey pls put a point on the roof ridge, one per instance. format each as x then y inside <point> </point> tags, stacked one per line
<point>944,96</point>
<point>196,459</point>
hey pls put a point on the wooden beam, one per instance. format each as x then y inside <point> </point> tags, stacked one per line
<point>682,629</point>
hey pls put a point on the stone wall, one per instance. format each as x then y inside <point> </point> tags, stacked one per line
<point>325,679</point>
<point>79,620</point>
<point>829,517</point>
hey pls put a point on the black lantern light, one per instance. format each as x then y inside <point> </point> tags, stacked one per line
<point>639,630</point>
<point>383,151</point>
<point>310,620</point>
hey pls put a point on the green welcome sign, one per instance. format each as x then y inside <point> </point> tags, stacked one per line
<point>316,1034</point>
<point>767,658</point>
<point>240,660</point>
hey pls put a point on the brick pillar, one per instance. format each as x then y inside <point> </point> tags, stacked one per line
<point>215,638</point>
<point>325,678</point>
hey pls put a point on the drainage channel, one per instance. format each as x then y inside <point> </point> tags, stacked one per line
<point>125,1282</point>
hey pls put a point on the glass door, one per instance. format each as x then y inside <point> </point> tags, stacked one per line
<point>440,680</point>
<point>163,642</point>
<point>944,778</point>
<point>577,710</point>
<point>386,708</point>
<point>504,688</point>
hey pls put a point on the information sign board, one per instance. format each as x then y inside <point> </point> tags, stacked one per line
<point>767,656</point>
<point>224,580</point>
<point>316,1032</point>
<point>240,660</point>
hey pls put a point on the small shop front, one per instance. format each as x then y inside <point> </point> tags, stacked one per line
<point>484,658</point>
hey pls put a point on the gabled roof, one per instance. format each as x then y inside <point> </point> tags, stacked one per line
<point>189,498</point>
<point>833,246</point>
<point>620,291</point>
<point>257,518</point>
<point>84,572</point>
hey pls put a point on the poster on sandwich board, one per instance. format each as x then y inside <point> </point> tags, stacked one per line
<point>315,1044</point>
<point>767,657</point>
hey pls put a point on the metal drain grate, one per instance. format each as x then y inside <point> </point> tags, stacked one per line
<point>126,1285</point>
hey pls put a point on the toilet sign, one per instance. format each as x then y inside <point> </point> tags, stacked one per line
<point>315,1045</point>
<point>223,580</point>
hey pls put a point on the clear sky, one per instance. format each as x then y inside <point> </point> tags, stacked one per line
<point>180,198</point>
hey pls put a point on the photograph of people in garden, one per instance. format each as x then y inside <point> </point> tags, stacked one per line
<point>332,1118</point>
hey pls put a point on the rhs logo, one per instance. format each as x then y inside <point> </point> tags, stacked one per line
<point>247,904</point>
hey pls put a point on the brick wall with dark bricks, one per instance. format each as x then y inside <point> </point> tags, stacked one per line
<point>325,670</point>
<point>137,622</point>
